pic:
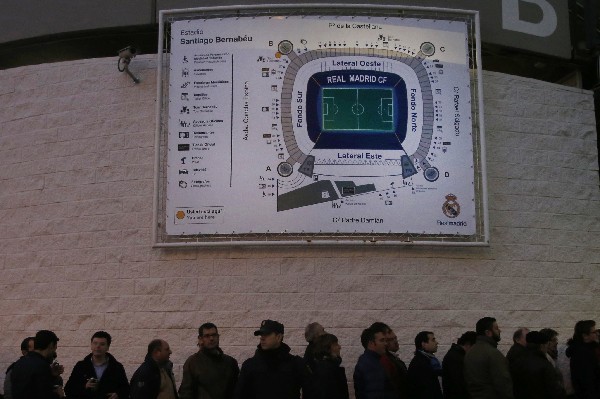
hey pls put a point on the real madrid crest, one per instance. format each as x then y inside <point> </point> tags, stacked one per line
<point>451,208</point>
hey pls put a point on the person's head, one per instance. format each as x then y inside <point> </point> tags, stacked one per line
<point>27,345</point>
<point>552,342</point>
<point>425,341</point>
<point>45,342</point>
<point>467,340</point>
<point>585,331</point>
<point>391,341</point>
<point>326,345</point>
<point>519,336</point>
<point>487,326</point>
<point>159,350</point>
<point>537,340</point>
<point>312,331</point>
<point>271,334</point>
<point>374,340</point>
<point>208,336</point>
<point>382,327</point>
<point>100,343</point>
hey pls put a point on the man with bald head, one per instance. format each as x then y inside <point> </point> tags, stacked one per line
<point>154,378</point>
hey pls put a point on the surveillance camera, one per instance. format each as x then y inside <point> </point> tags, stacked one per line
<point>128,52</point>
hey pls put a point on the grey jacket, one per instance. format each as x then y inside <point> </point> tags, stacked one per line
<point>486,371</point>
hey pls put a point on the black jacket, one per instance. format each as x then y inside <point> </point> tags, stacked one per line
<point>515,351</point>
<point>271,374</point>
<point>145,383</point>
<point>31,378</point>
<point>327,380</point>
<point>114,379</point>
<point>423,379</point>
<point>585,370</point>
<point>400,379</point>
<point>534,377</point>
<point>453,375</point>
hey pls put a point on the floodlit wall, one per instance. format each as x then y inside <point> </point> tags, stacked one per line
<point>76,190</point>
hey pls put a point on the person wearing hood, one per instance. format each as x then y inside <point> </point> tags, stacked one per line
<point>585,367</point>
<point>327,379</point>
<point>273,372</point>
<point>154,378</point>
<point>209,373</point>
<point>99,375</point>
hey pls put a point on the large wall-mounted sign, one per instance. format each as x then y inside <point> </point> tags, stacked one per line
<point>286,125</point>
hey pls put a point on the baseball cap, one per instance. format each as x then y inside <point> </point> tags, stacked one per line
<point>268,327</point>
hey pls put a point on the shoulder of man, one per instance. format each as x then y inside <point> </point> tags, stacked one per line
<point>114,363</point>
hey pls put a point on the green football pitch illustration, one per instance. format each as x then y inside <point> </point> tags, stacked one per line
<point>364,109</point>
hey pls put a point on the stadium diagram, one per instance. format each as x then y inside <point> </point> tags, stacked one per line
<point>357,109</point>
<point>320,124</point>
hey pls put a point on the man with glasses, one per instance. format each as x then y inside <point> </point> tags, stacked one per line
<point>209,373</point>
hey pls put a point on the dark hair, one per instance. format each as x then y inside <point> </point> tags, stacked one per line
<point>43,339</point>
<point>467,338</point>
<point>421,337</point>
<point>367,336</point>
<point>25,343</point>
<point>550,333</point>
<point>206,326</point>
<point>581,327</point>
<point>484,324</point>
<point>102,334</point>
<point>379,326</point>
<point>154,345</point>
<point>322,345</point>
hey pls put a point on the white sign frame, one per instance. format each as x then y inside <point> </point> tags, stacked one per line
<point>190,124</point>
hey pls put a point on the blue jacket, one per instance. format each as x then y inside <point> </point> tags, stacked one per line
<point>370,378</point>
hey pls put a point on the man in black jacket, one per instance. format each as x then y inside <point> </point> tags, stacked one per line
<point>272,373</point>
<point>533,375</point>
<point>424,369</point>
<point>155,376</point>
<point>26,347</point>
<point>99,375</point>
<point>31,376</point>
<point>453,376</point>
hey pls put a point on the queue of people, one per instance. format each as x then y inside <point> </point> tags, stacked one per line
<point>473,368</point>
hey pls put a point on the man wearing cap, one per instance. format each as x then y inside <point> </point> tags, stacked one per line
<point>533,375</point>
<point>272,373</point>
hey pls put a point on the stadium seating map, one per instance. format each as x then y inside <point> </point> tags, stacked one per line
<point>320,124</point>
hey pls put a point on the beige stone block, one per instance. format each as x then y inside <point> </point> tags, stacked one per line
<point>230,267</point>
<point>182,268</point>
<point>150,286</point>
<point>181,286</point>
